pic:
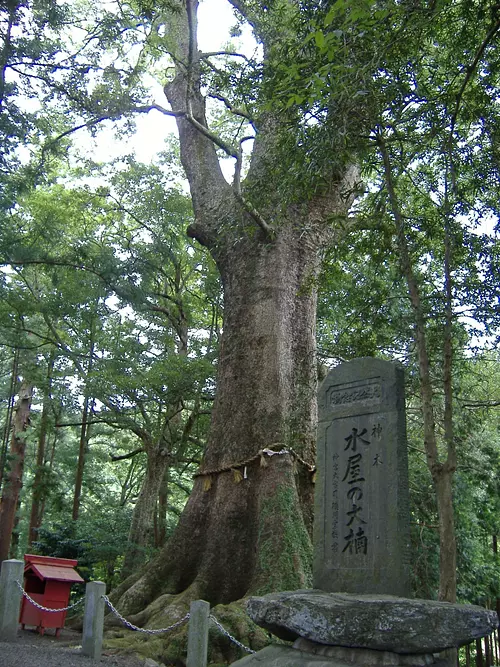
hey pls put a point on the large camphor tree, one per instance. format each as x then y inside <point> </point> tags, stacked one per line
<point>246,527</point>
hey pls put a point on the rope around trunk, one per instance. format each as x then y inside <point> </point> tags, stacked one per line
<point>235,468</point>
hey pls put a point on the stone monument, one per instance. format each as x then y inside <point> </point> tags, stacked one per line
<point>359,612</point>
<point>362,516</point>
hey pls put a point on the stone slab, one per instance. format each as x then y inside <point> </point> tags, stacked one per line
<point>365,657</point>
<point>380,622</point>
<point>362,517</point>
<point>286,656</point>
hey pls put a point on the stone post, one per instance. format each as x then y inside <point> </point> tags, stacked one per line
<point>199,613</point>
<point>10,598</point>
<point>93,619</point>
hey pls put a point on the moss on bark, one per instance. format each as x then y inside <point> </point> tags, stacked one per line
<point>173,645</point>
<point>284,559</point>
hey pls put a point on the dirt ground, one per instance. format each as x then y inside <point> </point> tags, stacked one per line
<point>32,650</point>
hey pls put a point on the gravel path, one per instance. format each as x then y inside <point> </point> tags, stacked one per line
<point>32,650</point>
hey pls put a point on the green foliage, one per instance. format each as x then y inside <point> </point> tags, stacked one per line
<point>104,280</point>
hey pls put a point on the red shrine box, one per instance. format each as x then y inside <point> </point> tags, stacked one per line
<point>48,582</point>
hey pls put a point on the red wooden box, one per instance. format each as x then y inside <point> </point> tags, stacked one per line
<point>47,581</point>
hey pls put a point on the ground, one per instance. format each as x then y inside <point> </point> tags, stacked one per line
<point>32,650</point>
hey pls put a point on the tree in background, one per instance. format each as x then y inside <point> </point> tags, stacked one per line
<point>131,310</point>
<point>13,480</point>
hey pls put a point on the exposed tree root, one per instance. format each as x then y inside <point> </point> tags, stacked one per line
<point>166,610</point>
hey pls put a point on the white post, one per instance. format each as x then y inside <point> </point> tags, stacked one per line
<point>197,650</point>
<point>10,598</point>
<point>93,619</point>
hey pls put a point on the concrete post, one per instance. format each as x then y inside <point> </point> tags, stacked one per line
<point>93,619</point>
<point>199,613</point>
<point>10,598</point>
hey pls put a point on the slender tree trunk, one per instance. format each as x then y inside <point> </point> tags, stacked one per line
<point>141,529</point>
<point>8,416</point>
<point>14,540</point>
<point>444,487</point>
<point>442,472</point>
<point>447,542</point>
<point>496,634</point>
<point>39,479</point>
<point>88,406</point>
<point>50,463</point>
<point>479,653</point>
<point>14,479</point>
<point>487,651</point>
<point>82,451</point>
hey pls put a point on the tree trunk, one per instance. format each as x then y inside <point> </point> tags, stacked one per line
<point>140,537</point>
<point>250,537</point>
<point>88,407</point>
<point>38,495</point>
<point>443,478</point>
<point>14,479</point>
<point>246,526</point>
<point>441,472</point>
<point>38,481</point>
<point>14,539</point>
<point>161,521</point>
<point>8,416</point>
<point>50,467</point>
<point>82,451</point>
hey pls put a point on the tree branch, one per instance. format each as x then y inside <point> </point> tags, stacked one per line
<point>130,455</point>
<point>471,69</point>
<point>234,110</point>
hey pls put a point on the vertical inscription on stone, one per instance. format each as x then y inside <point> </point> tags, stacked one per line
<point>362,515</point>
<point>335,504</point>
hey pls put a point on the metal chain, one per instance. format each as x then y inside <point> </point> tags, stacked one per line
<point>225,632</point>
<point>39,606</point>
<point>145,630</point>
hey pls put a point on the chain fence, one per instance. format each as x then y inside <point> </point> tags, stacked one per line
<point>41,607</point>
<point>147,631</point>
<point>131,626</point>
<point>233,639</point>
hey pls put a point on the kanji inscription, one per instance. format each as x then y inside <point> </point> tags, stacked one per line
<point>362,518</point>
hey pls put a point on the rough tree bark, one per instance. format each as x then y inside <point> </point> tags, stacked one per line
<point>8,415</point>
<point>253,536</point>
<point>14,478</point>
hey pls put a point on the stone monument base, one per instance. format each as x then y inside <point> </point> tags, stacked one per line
<point>333,656</point>
<point>342,630</point>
